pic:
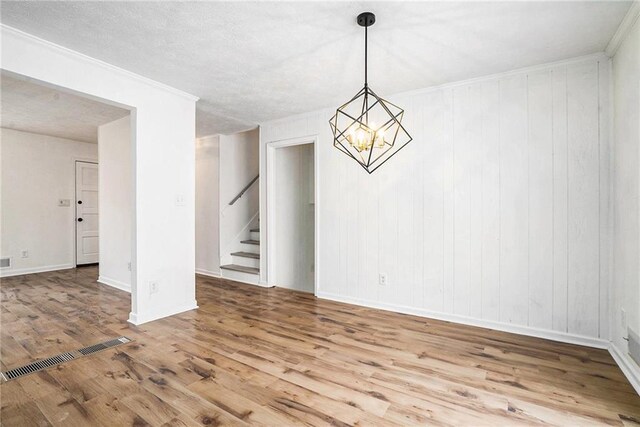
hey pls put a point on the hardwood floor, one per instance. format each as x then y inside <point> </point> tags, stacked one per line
<point>276,357</point>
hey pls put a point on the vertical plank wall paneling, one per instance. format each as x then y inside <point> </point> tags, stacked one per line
<point>583,199</point>
<point>490,201</point>
<point>514,201</point>
<point>540,165</point>
<point>433,227</point>
<point>492,215</point>
<point>560,199</point>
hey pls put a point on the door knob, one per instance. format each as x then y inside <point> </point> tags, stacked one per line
<point>79,202</point>
<point>80,219</point>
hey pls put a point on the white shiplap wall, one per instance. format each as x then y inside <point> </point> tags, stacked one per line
<point>496,214</point>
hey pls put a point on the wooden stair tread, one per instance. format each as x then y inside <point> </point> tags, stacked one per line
<point>251,242</point>
<point>247,254</point>
<point>241,268</point>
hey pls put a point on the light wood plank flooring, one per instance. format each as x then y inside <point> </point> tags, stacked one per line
<point>276,357</point>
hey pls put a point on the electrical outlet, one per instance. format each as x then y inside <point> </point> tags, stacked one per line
<point>24,254</point>
<point>153,287</point>
<point>623,320</point>
<point>180,200</point>
<point>382,279</point>
<point>129,266</point>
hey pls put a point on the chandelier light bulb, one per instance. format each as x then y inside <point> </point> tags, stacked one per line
<point>380,137</point>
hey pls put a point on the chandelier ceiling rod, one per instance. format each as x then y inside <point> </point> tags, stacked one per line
<point>366,19</point>
<point>365,55</point>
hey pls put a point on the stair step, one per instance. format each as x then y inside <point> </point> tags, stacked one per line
<point>242,268</point>
<point>247,254</point>
<point>255,230</point>
<point>251,242</point>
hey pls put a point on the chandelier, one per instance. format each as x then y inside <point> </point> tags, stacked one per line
<point>368,128</point>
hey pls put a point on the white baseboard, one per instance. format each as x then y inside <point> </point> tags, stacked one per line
<point>140,318</point>
<point>20,271</point>
<point>628,366</point>
<point>499,326</point>
<point>114,283</point>
<point>208,273</point>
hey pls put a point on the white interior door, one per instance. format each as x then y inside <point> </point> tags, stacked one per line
<point>86,213</point>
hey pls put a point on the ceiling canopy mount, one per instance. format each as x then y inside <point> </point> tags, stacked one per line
<point>366,19</point>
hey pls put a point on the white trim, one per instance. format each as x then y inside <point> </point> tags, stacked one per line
<point>629,368</point>
<point>249,129</point>
<point>623,30</point>
<point>499,326</point>
<point>114,284</point>
<point>271,232</point>
<point>139,319</point>
<point>82,57</point>
<point>204,272</point>
<point>45,134</point>
<point>31,270</point>
<point>450,85</point>
<point>491,77</point>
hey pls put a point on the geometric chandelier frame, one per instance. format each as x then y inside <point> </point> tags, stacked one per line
<point>368,128</point>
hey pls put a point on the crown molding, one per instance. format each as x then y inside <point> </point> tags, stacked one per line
<point>598,56</point>
<point>7,30</point>
<point>623,30</point>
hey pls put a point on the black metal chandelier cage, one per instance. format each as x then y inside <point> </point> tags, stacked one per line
<point>368,128</point>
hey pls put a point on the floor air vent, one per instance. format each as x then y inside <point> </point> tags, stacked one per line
<point>61,358</point>
<point>103,346</point>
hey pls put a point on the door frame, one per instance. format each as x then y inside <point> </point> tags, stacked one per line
<point>75,207</point>
<point>271,236</point>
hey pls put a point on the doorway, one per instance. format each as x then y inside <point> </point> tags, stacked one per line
<point>292,215</point>
<point>87,224</point>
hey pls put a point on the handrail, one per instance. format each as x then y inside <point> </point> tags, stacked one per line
<point>244,190</point>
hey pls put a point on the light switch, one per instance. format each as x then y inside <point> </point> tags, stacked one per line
<point>180,200</point>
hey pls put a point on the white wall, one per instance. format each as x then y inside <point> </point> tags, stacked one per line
<point>626,183</point>
<point>294,211</point>
<point>207,206</point>
<point>37,171</point>
<point>116,203</point>
<point>496,214</point>
<point>239,164</point>
<point>163,162</point>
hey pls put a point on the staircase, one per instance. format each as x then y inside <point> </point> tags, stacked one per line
<point>245,266</point>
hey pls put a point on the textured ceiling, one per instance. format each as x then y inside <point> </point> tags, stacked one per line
<point>31,107</point>
<point>255,61</point>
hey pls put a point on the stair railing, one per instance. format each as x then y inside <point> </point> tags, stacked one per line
<point>244,190</point>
